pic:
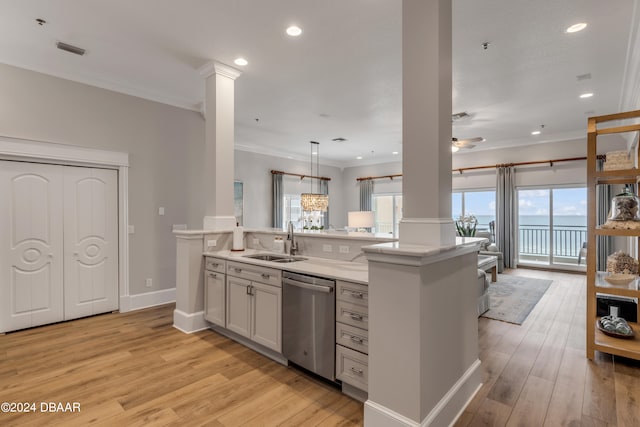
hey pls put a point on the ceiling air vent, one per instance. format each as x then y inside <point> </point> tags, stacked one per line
<point>339,139</point>
<point>70,48</point>
<point>459,116</point>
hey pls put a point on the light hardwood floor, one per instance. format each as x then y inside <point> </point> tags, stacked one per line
<point>537,374</point>
<point>136,369</point>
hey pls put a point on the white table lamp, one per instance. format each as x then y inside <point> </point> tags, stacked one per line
<point>360,220</point>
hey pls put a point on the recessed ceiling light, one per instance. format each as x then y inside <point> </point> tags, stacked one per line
<point>586,95</point>
<point>395,153</point>
<point>241,62</point>
<point>294,31</point>
<point>576,27</point>
<point>359,158</point>
<point>536,132</point>
<point>315,153</point>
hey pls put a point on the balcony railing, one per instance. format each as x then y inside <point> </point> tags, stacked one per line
<point>567,240</point>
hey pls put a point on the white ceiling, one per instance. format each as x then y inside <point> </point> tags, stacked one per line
<point>342,77</point>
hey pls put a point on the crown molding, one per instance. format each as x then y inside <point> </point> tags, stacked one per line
<point>216,67</point>
<point>97,82</point>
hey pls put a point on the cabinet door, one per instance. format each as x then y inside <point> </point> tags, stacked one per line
<point>31,241</point>
<point>238,306</point>
<point>214,298</point>
<point>266,327</point>
<point>90,241</point>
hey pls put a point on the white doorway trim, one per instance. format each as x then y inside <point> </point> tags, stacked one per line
<point>71,155</point>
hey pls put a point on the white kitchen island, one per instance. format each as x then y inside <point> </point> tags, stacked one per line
<point>420,314</point>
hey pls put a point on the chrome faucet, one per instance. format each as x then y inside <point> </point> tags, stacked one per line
<point>293,245</point>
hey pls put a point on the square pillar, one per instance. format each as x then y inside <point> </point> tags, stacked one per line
<point>219,145</point>
<point>423,334</point>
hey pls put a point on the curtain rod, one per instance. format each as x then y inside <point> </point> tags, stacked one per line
<point>379,177</point>
<point>538,162</point>
<point>323,178</point>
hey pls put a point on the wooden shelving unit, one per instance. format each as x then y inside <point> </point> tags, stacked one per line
<point>596,340</point>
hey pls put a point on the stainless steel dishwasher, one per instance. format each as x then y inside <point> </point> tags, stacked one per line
<point>309,322</point>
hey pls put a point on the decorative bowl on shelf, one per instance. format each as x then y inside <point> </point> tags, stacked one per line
<point>615,327</point>
<point>620,278</point>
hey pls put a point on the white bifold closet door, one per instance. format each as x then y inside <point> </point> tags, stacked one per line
<point>58,243</point>
<point>90,241</point>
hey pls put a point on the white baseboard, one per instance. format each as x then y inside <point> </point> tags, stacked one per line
<point>149,299</point>
<point>445,413</point>
<point>189,322</point>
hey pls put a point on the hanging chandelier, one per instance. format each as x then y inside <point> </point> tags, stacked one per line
<point>314,201</point>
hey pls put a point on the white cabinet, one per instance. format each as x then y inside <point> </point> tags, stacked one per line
<point>266,324</point>
<point>239,306</point>
<point>215,291</point>
<point>352,335</point>
<point>58,243</point>
<point>254,303</point>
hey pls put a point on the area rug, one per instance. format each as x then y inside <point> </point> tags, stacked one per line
<point>513,297</point>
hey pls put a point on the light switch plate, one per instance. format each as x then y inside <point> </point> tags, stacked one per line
<point>256,242</point>
<point>327,248</point>
<point>160,211</point>
<point>344,249</point>
<point>148,283</point>
<point>132,229</point>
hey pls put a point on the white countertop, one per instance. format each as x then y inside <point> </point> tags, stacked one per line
<point>330,234</point>
<point>330,268</point>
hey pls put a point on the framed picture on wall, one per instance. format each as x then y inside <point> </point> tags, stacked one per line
<point>238,201</point>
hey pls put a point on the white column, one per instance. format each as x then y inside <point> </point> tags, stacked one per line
<point>426,122</point>
<point>423,326</point>
<point>423,334</point>
<point>219,137</point>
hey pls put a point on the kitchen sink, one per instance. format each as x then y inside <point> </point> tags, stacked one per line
<point>290,259</point>
<point>275,258</point>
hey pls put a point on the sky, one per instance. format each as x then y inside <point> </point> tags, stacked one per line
<point>566,201</point>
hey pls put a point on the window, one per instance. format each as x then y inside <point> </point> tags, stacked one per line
<point>291,211</point>
<point>482,204</point>
<point>387,212</point>
<point>552,225</point>
<point>291,208</point>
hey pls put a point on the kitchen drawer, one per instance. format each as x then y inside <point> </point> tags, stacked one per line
<point>352,292</point>
<point>270,276</point>
<point>352,367</point>
<point>214,264</point>
<point>352,314</point>
<point>352,337</point>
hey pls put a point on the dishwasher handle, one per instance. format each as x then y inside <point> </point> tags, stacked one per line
<point>319,288</point>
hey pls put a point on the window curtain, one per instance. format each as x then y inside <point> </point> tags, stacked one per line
<point>603,197</point>
<point>324,189</point>
<point>506,214</point>
<point>278,198</point>
<point>366,194</point>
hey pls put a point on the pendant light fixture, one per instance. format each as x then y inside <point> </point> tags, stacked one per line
<point>314,201</point>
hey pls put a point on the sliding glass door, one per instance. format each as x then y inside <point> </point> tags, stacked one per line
<point>387,209</point>
<point>552,226</point>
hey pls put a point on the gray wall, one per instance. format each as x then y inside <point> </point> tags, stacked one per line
<point>254,171</point>
<point>165,146</point>
<point>560,173</point>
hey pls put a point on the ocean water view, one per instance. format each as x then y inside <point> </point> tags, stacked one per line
<point>538,220</point>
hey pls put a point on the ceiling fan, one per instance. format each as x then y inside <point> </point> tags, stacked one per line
<point>457,144</point>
